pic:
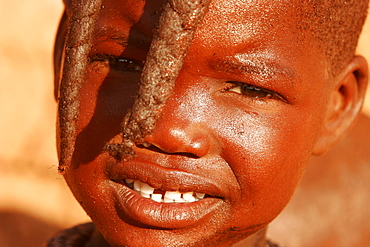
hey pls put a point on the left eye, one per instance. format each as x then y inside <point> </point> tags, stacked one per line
<point>252,91</point>
<point>126,64</point>
<point>119,63</point>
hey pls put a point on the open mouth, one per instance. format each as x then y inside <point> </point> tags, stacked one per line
<point>158,195</point>
<point>151,195</point>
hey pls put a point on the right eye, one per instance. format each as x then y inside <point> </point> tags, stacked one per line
<point>119,63</point>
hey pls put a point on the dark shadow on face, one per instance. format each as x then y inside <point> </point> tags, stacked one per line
<point>114,97</point>
<point>104,125</point>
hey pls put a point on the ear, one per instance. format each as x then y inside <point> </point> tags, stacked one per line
<point>344,104</point>
<point>58,52</point>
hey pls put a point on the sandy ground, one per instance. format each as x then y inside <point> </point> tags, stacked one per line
<point>34,201</point>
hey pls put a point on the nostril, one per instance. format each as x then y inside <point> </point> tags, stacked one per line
<point>153,148</point>
<point>150,147</point>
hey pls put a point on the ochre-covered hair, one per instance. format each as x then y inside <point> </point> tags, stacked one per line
<point>336,25</point>
<point>82,18</point>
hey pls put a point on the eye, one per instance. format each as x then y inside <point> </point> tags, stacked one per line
<point>250,90</point>
<point>119,63</point>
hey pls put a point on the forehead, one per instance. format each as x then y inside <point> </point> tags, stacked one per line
<point>234,15</point>
<point>232,23</point>
<point>265,30</point>
<point>257,30</point>
<point>245,20</point>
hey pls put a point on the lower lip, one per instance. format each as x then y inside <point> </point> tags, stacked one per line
<point>164,215</point>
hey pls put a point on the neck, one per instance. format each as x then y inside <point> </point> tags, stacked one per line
<point>256,240</point>
<point>97,240</point>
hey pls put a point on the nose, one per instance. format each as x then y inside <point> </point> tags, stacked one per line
<point>170,136</point>
<point>183,127</point>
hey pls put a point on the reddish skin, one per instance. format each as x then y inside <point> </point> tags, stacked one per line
<point>249,154</point>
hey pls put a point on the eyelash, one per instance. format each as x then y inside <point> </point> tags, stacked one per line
<point>119,63</point>
<point>125,64</point>
<point>253,92</point>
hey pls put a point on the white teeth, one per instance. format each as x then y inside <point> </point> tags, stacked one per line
<point>191,199</point>
<point>168,200</point>
<point>137,185</point>
<point>146,195</point>
<point>157,197</point>
<point>146,191</point>
<point>146,188</point>
<point>180,200</point>
<point>187,195</point>
<point>173,195</point>
<point>200,195</point>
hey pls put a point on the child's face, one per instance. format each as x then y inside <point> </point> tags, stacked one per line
<point>243,145</point>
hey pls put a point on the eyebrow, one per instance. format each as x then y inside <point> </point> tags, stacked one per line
<point>134,38</point>
<point>254,64</point>
<point>118,36</point>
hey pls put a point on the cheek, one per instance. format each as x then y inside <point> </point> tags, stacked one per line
<point>88,184</point>
<point>105,99</point>
<point>267,154</point>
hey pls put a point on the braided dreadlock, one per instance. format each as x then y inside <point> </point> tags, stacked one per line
<point>336,25</point>
<point>83,15</point>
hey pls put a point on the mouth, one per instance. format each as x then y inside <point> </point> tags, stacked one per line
<point>152,196</point>
<point>158,195</point>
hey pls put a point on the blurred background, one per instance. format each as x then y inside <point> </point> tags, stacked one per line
<point>34,200</point>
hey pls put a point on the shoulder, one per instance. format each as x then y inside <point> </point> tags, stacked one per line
<point>77,236</point>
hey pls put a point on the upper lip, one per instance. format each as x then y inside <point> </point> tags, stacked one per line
<point>169,178</point>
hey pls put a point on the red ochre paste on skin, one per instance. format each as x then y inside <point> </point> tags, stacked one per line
<point>248,108</point>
